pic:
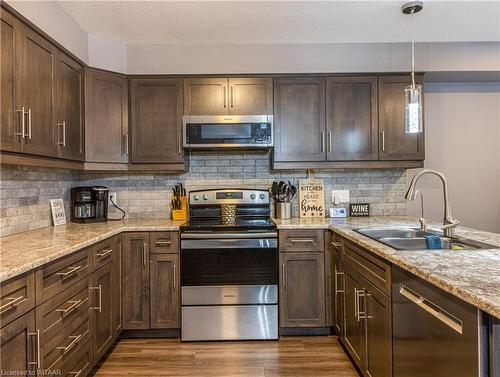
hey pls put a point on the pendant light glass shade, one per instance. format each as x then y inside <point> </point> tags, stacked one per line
<point>413,109</point>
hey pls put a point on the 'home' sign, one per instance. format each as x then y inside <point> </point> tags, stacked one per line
<point>359,210</point>
<point>311,198</point>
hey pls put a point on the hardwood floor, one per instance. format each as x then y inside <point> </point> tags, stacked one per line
<point>291,356</point>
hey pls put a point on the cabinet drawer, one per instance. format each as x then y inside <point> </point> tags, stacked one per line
<point>55,277</point>
<point>17,296</point>
<point>81,363</point>
<point>62,347</point>
<point>301,240</point>
<point>372,268</point>
<point>58,312</point>
<point>163,242</point>
<point>101,253</point>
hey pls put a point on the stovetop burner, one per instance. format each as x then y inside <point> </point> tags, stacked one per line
<point>216,225</point>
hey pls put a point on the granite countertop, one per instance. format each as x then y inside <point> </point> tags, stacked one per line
<point>25,251</point>
<point>471,275</point>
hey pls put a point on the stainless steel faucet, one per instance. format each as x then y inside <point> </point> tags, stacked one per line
<point>423,222</point>
<point>449,223</point>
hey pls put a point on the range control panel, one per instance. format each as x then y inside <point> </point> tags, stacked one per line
<point>229,196</point>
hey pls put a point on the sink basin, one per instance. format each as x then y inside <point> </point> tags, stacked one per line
<point>378,233</point>
<point>414,239</point>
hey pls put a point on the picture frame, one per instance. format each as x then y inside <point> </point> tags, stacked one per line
<point>58,213</point>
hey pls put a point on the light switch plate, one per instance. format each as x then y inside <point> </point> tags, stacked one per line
<point>340,196</point>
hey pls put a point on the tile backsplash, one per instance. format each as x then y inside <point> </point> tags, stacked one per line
<point>25,191</point>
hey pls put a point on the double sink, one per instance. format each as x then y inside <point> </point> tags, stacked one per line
<point>415,239</point>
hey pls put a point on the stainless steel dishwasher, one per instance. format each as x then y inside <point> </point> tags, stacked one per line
<point>434,333</point>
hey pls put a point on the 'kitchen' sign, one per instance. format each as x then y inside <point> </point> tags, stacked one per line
<point>311,198</point>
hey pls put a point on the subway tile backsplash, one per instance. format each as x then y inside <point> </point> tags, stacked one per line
<point>25,192</point>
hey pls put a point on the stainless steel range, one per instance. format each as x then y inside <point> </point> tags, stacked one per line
<point>229,269</point>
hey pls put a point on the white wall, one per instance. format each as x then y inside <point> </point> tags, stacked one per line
<point>107,54</point>
<point>49,17</point>
<point>463,142</point>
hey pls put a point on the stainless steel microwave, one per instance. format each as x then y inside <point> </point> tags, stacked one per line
<point>228,131</point>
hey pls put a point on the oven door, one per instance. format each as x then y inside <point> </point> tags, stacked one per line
<point>251,131</point>
<point>249,260</point>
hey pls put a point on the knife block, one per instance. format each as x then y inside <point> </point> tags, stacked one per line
<point>183,213</point>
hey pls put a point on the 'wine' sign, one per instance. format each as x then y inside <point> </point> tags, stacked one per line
<point>311,198</point>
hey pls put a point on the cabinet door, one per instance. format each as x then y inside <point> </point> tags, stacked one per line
<point>354,327</point>
<point>102,322</point>
<point>339,294</point>
<point>395,143</point>
<point>69,120</point>
<point>330,257</point>
<point>351,118</point>
<point>18,344</point>
<point>36,92</point>
<point>164,283</point>
<point>116,298</point>
<point>10,119</point>
<point>156,123</point>
<point>135,279</point>
<point>302,290</point>
<point>378,333</point>
<point>205,96</point>
<point>106,117</point>
<point>299,119</point>
<point>252,95</point>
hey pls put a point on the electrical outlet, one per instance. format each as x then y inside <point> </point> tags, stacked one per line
<point>112,194</point>
<point>340,196</point>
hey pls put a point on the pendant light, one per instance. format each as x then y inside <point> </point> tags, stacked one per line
<point>413,93</point>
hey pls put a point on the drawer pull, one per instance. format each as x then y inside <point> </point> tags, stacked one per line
<point>105,253</point>
<point>38,360</point>
<point>283,275</point>
<point>98,288</point>
<point>70,272</point>
<point>74,305</point>
<point>336,245</point>
<point>163,243</point>
<point>76,373</point>
<point>433,309</point>
<point>74,342</point>
<point>337,274</point>
<point>13,302</point>
<point>302,240</point>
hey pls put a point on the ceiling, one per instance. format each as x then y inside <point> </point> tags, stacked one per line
<point>287,22</point>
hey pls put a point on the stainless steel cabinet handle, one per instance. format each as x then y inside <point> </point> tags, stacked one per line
<point>232,95</point>
<point>144,255</point>
<point>336,245</point>
<point>12,303</point>
<point>337,274</point>
<point>356,302</point>
<point>29,124</point>
<point>126,143</point>
<point>322,142</point>
<point>63,125</point>
<point>225,89</point>
<point>163,243</point>
<point>283,275</point>
<point>383,141</point>
<point>75,304</point>
<point>70,272</point>
<point>361,314</point>
<point>179,138</point>
<point>77,374</point>
<point>329,141</point>
<point>104,253</point>
<point>74,342</point>
<point>23,123</point>
<point>98,288</point>
<point>431,308</point>
<point>37,362</point>
<point>174,277</point>
<point>304,240</point>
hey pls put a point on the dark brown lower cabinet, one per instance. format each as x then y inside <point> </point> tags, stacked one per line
<point>302,289</point>
<point>135,279</point>
<point>18,346</point>
<point>102,321</point>
<point>164,291</point>
<point>116,298</point>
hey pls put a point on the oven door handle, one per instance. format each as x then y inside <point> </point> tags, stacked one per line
<point>202,236</point>
<point>236,243</point>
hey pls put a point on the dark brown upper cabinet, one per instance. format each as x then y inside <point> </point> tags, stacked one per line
<point>10,120</point>
<point>351,118</point>
<point>69,118</point>
<point>299,119</point>
<point>219,96</point>
<point>156,120</point>
<point>395,143</point>
<point>106,117</point>
<point>37,90</point>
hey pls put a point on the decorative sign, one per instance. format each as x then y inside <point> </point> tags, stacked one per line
<point>359,210</point>
<point>57,208</point>
<point>311,198</point>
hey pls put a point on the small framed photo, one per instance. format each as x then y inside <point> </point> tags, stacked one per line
<point>58,215</point>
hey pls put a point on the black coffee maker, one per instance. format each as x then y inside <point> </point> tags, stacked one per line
<point>89,204</point>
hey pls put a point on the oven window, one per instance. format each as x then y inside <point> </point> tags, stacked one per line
<point>229,267</point>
